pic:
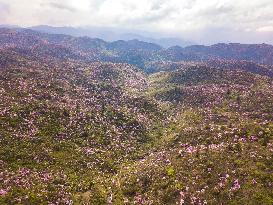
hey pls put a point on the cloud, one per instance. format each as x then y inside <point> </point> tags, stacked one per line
<point>172,17</point>
<point>4,11</point>
<point>4,7</point>
<point>60,6</point>
<point>217,10</point>
<point>265,29</point>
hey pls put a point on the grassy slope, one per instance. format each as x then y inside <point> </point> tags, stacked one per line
<point>97,133</point>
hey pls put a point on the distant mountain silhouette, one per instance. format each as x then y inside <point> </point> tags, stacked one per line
<point>111,34</point>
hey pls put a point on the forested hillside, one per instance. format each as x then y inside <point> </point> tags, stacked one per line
<point>84,121</point>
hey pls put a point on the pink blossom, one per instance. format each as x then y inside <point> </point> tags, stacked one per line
<point>3,192</point>
<point>235,185</point>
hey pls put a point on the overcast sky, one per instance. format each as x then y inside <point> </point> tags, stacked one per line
<point>200,20</point>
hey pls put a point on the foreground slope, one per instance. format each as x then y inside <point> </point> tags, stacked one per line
<point>66,126</point>
<point>217,149</point>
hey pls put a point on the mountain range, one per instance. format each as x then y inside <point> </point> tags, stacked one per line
<point>108,34</point>
<point>145,55</point>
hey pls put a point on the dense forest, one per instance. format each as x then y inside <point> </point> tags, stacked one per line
<point>84,121</point>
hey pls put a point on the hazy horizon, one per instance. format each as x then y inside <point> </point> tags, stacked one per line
<point>216,21</point>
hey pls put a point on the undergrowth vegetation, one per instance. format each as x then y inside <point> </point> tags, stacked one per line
<point>77,132</point>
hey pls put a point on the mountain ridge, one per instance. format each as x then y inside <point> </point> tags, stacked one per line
<point>138,53</point>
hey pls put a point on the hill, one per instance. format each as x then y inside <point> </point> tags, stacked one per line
<point>144,55</point>
<point>80,123</point>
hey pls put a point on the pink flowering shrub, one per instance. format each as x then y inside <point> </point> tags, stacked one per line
<point>77,130</point>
